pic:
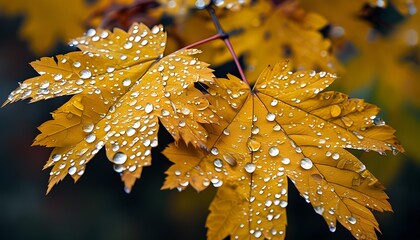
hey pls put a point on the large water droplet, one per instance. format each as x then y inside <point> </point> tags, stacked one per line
<point>335,156</point>
<point>319,210</point>
<point>90,138</point>
<point>332,228</point>
<point>285,161</point>
<point>128,45</point>
<point>255,130</point>
<point>274,102</point>
<point>119,158</point>
<point>335,110</point>
<point>56,157</point>
<point>270,117</point>
<point>182,123</point>
<point>249,167</point>
<point>306,163</point>
<point>253,145</point>
<point>218,163</point>
<point>165,112</point>
<point>58,76</point>
<point>352,220</point>
<point>85,74</point>
<point>214,151</point>
<point>88,127</point>
<point>72,170</point>
<point>148,108</point>
<point>185,111</point>
<point>126,82</point>
<point>273,151</point>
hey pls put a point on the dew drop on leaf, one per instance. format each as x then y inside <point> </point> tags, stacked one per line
<point>85,74</point>
<point>72,170</point>
<point>253,145</point>
<point>352,220</point>
<point>88,127</point>
<point>218,163</point>
<point>273,151</point>
<point>214,151</point>
<point>306,163</point>
<point>119,158</point>
<point>148,108</point>
<point>56,157</point>
<point>285,161</point>
<point>90,138</point>
<point>249,167</point>
<point>335,110</point>
<point>270,117</point>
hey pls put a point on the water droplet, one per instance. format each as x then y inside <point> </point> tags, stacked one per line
<point>126,82</point>
<point>257,234</point>
<point>255,130</point>
<point>182,123</point>
<point>185,111</point>
<point>249,167</point>
<point>130,132</point>
<point>88,127</point>
<point>104,34</point>
<point>347,121</point>
<point>90,138</point>
<point>332,228</point>
<point>335,110</point>
<point>277,128</point>
<point>270,117</point>
<point>285,161</point>
<point>44,85</point>
<point>253,145</point>
<point>128,45</point>
<point>110,69</point>
<point>268,203</point>
<point>273,151</point>
<point>119,158</point>
<point>72,170</point>
<point>77,64</point>
<point>85,74</point>
<point>148,108</point>
<point>378,121</point>
<point>306,163</point>
<point>319,210</point>
<point>226,132</point>
<point>91,32</point>
<point>144,42</point>
<point>335,156</point>
<point>155,30</point>
<point>214,151</point>
<point>165,112</point>
<point>274,102</point>
<point>56,157</point>
<point>352,220</point>
<point>283,204</point>
<point>58,76</point>
<point>218,163</point>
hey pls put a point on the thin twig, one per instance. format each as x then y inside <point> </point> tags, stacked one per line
<point>201,42</point>
<point>225,37</point>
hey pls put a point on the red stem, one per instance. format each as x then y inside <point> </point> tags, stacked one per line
<point>201,42</point>
<point>235,58</point>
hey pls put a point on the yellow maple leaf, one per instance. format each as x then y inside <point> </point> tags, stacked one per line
<point>285,127</point>
<point>123,87</point>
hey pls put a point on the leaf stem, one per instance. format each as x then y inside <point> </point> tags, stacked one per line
<point>201,42</point>
<point>225,37</point>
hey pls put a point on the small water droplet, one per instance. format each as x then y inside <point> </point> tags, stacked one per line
<point>253,145</point>
<point>119,158</point>
<point>218,163</point>
<point>56,157</point>
<point>306,163</point>
<point>185,111</point>
<point>270,117</point>
<point>332,228</point>
<point>90,138</point>
<point>85,74</point>
<point>130,132</point>
<point>255,130</point>
<point>352,220</point>
<point>126,82</point>
<point>378,121</point>
<point>250,167</point>
<point>319,210</point>
<point>226,132</point>
<point>58,76</point>
<point>347,121</point>
<point>128,45</point>
<point>165,112</point>
<point>72,170</point>
<point>88,127</point>
<point>273,151</point>
<point>257,234</point>
<point>335,156</point>
<point>110,69</point>
<point>91,32</point>
<point>155,30</point>
<point>285,161</point>
<point>274,102</point>
<point>277,127</point>
<point>77,64</point>
<point>283,204</point>
<point>214,151</point>
<point>182,123</point>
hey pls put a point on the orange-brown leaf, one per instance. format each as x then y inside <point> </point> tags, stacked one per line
<point>285,127</point>
<point>123,88</point>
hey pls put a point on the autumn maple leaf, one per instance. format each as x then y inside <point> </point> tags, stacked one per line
<point>285,127</point>
<point>123,86</point>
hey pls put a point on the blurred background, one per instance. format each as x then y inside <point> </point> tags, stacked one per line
<point>98,208</point>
